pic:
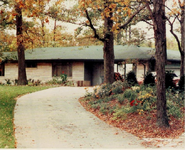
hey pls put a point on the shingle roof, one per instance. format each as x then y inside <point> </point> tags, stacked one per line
<point>94,53</point>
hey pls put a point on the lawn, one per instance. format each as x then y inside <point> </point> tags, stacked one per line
<point>133,109</point>
<point>7,104</point>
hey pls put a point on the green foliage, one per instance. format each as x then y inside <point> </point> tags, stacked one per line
<point>8,81</point>
<point>32,82</point>
<point>173,109</point>
<point>131,78</point>
<point>117,90</point>
<point>121,113</point>
<point>61,81</point>
<point>177,98</point>
<point>149,79</point>
<point>104,108</point>
<point>63,77</point>
<point>7,104</point>
<point>130,94</point>
<point>103,91</point>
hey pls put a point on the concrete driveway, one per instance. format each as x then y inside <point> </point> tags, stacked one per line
<point>54,118</point>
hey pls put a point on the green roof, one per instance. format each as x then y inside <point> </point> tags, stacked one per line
<point>94,53</point>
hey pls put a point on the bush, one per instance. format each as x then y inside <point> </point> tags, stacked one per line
<point>118,77</point>
<point>32,82</point>
<point>149,79</point>
<point>128,94</point>
<point>63,77</point>
<point>173,110</point>
<point>181,83</point>
<point>103,91</point>
<point>8,81</point>
<point>169,75</point>
<point>131,78</point>
<point>121,114</point>
<point>117,90</point>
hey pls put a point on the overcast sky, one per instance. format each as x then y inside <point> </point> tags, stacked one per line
<point>71,27</point>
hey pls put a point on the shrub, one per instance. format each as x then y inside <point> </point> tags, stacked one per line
<point>173,110</point>
<point>104,108</point>
<point>131,78</point>
<point>117,90</point>
<point>181,83</point>
<point>118,77</point>
<point>8,81</point>
<point>130,94</point>
<point>176,98</point>
<point>169,75</point>
<point>149,79</point>
<point>63,77</point>
<point>121,113</point>
<point>32,82</point>
<point>103,91</point>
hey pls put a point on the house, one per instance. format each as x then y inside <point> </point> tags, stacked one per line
<point>83,64</point>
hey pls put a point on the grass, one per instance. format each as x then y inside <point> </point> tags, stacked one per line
<point>7,104</point>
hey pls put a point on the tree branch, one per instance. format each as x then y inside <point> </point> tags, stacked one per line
<point>176,37</point>
<point>92,27</point>
<point>131,18</point>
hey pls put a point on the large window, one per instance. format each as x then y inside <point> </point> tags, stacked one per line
<point>62,68</point>
<point>1,69</point>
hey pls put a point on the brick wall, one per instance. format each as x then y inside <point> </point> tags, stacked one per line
<point>43,72</point>
<point>78,71</point>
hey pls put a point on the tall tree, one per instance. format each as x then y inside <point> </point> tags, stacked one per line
<point>107,9</point>
<point>22,79</point>
<point>178,14</point>
<point>159,26</point>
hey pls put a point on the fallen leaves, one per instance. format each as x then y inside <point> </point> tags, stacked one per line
<point>142,126</point>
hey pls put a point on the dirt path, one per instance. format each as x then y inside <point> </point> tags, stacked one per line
<point>53,118</point>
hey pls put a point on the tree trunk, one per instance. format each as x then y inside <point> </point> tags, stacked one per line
<point>22,79</point>
<point>160,45</point>
<point>108,50</point>
<point>54,32</point>
<point>182,41</point>
<point>43,32</point>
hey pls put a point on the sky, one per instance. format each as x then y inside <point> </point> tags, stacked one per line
<point>71,27</point>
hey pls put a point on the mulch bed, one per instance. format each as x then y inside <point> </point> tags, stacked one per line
<point>141,125</point>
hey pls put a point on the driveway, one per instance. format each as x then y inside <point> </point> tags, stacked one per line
<point>54,118</point>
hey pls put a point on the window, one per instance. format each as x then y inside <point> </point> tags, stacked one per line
<point>1,69</point>
<point>62,68</point>
<point>31,65</point>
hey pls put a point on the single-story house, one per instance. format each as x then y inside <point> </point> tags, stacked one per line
<point>84,64</point>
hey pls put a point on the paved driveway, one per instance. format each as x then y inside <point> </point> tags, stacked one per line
<point>54,118</point>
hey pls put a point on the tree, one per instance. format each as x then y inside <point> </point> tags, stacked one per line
<point>22,79</point>
<point>159,26</point>
<point>107,9</point>
<point>178,14</point>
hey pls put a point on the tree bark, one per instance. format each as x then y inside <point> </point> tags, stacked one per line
<point>160,45</point>
<point>22,79</point>
<point>182,69</point>
<point>54,32</point>
<point>108,49</point>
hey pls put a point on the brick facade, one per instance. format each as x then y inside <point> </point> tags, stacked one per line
<point>43,72</point>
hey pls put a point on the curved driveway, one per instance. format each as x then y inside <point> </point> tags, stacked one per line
<point>54,118</point>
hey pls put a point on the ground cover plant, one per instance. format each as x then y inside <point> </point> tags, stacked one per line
<point>7,104</point>
<point>134,109</point>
